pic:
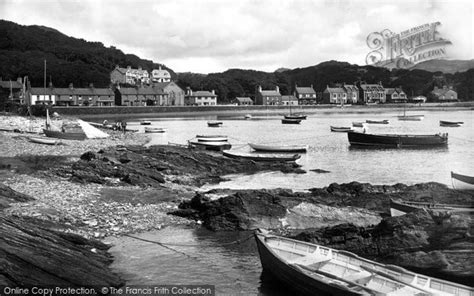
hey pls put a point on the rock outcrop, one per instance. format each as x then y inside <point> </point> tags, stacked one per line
<point>155,165</point>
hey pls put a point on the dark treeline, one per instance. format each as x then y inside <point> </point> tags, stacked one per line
<point>235,82</point>
<point>23,50</point>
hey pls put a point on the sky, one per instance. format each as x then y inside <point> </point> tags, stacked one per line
<point>206,36</point>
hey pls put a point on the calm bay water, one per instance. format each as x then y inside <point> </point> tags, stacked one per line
<point>331,151</point>
<point>235,269</point>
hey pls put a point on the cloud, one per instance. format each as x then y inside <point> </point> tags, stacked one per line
<point>214,35</point>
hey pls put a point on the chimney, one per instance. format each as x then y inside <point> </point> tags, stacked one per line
<point>139,68</point>
<point>71,86</point>
<point>445,87</point>
<point>259,88</point>
<point>50,85</point>
<point>159,67</point>
<point>129,68</point>
<point>19,80</point>
<point>213,92</point>
<point>311,86</point>
<point>91,85</point>
<point>277,88</point>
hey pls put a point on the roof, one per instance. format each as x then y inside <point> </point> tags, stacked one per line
<point>202,93</point>
<point>72,91</point>
<point>441,91</point>
<point>372,87</point>
<point>389,91</point>
<point>350,87</point>
<point>270,93</point>
<point>335,89</point>
<point>243,99</point>
<point>289,98</point>
<point>160,73</point>
<point>305,90</point>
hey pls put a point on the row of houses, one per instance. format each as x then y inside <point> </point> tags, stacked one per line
<point>170,94</point>
<point>139,76</point>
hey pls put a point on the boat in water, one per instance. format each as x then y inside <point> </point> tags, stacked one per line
<point>401,207</point>
<point>210,145</point>
<point>261,157</point>
<point>312,269</point>
<point>248,116</point>
<point>155,130</point>
<point>145,122</point>
<point>214,123</point>
<point>384,121</point>
<point>450,123</point>
<point>279,148</point>
<point>290,121</point>
<point>396,140</point>
<point>341,129</point>
<point>211,138</point>
<point>462,182</point>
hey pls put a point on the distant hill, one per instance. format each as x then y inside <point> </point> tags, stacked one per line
<point>238,82</point>
<point>23,50</point>
<point>445,66</point>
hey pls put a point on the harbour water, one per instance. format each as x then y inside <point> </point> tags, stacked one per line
<point>331,151</point>
<point>235,268</point>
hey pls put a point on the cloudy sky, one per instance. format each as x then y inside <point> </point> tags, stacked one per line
<point>214,35</point>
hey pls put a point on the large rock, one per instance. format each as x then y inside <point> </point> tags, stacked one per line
<point>420,240</point>
<point>155,165</point>
<point>36,255</point>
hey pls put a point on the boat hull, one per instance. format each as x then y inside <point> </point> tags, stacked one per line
<point>214,124</point>
<point>290,276</point>
<point>64,135</point>
<point>215,146</point>
<point>462,182</point>
<point>399,208</point>
<point>397,141</point>
<point>154,130</point>
<point>378,121</point>
<point>341,129</point>
<point>266,148</point>
<point>47,141</point>
<point>261,157</point>
<point>291,121</point>
<point>298,117</point>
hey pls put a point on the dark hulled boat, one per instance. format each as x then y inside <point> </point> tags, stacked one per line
<point>290,121</point>
<point>396,140</point>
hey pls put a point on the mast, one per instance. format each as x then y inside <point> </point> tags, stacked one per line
<point>44,85</point>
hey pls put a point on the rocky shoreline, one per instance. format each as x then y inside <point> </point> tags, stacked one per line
<point>74,194</point>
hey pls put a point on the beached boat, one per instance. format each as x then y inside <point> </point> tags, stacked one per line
<point>290,121</point>
<point>341,129</point>
<point>262,157</point>
<point>462,182</point>
<point>211,138</point>
<point>47,141</point>
<point>450,123</point>
<point>384,121</point>
<point>65,135</point>
<point>280,148</point>
<point>248,116</point>
<point>145,122</point>
<point>401,207</point>
<point>398,141</point>
<point>214,123</point>
<point>358,124</point>
<point>155,130</point>
<point>210,145</point>
<point>312,269</point>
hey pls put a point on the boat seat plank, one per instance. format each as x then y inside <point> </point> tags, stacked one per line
<point>309,260</point>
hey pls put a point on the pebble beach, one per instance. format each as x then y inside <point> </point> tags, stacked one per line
<point>86,209</point>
